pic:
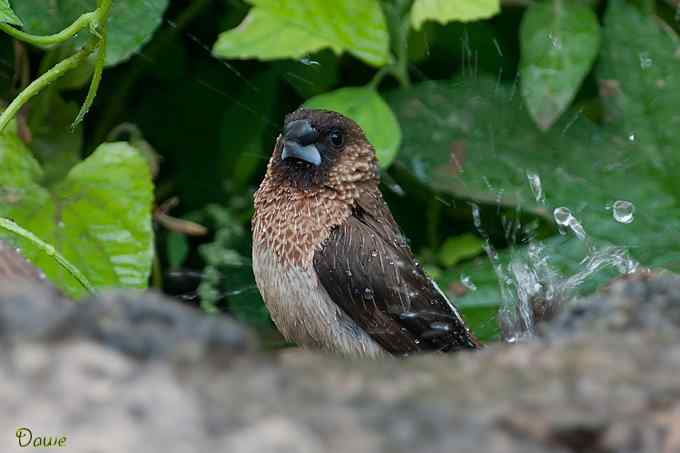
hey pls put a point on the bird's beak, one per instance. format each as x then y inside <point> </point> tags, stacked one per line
<point>307,153</point>
<point>299,142</point>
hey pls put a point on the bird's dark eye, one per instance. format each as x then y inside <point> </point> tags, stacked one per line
<point>336,138</point>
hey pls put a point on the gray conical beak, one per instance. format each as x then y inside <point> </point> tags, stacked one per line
<point>299,142</point>
<point>307,153</point>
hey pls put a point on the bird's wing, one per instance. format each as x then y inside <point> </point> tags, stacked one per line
<point>369,271</point>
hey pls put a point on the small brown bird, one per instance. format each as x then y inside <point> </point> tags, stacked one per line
<point>331,263</point>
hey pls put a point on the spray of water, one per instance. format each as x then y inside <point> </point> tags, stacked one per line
<point>532,289</point>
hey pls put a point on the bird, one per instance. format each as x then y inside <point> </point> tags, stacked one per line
<point>331,263</point>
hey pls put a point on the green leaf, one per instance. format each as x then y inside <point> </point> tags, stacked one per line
<point>365,106</point>
<point>131,22</point>
<point>458,248</point>
<point>177,248</point>
<point>294,28</point>
<point>98,217</point>
<point>444,11</point>
<point>8,16</point>
<point>473,139</point>
<point>639,75</point>
<point>55,144</point>
<point>559,42</point>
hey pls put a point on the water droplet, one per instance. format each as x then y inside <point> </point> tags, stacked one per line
<point>467,282</point>
<point>562,216</point>
<point>441,326</point>
<point>309,62</point>
<point>623,211</point>
<point>349,273</point>
<point>476,216</point>
<point>631,137</point>
<point>374,253</point>
<point>565,219</point>
<point>577,228</point>
<point>536,188</point>
<point>49,250</point>
<point>645,60</point>
<point>408,315</point>
<point>555,40</point>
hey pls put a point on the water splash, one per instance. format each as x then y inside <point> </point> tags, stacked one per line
<point>555,41</point>
<point>536,187</point>
<point>467,282</point>
<point>646,61</point>
<point>565,220</point>
<point>533,290</point>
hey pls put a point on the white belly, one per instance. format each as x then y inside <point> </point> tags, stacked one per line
<point>304,312</point>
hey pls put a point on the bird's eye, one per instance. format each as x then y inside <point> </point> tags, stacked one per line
<point>336,138</point>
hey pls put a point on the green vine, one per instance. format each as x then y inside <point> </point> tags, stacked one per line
<point>49,250</point>
<point>86,20</point>
<point>97,22</point>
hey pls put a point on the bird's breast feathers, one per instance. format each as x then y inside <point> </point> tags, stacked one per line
<point>302,309</point>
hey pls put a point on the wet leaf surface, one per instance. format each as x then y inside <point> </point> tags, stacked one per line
<point>475,140</point>
<point>560,41</point>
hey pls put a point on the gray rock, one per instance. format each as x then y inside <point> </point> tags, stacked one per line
<point>141,325</point>
<point>631,303</point>
<point>150,325</point>
<point>31,311</point>
<point>613,388</point>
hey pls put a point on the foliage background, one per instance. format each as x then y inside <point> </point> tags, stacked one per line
<point>467,102</point>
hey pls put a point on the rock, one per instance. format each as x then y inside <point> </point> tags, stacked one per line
<point>141,325</point>
<point>150,326</point>
<point>30,311</point>
<point>637,302</point>
<point>593,385</point>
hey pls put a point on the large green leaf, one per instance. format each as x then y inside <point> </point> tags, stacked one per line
<point>294,28</point>
<point>444,11</point>
<point>98,217</point>
<point>365,106</point>
<point>131,22</point>
<point>560,41</point>
<point>639,74</point>
<point>475,140</point>
<point>8,16</point>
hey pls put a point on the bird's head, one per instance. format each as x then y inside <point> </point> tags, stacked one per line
<point>322,148</point>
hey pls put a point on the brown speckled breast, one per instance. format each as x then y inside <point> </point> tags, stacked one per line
<point>293,221</point>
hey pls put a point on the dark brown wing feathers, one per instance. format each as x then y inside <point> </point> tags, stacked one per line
<point>368,269</point>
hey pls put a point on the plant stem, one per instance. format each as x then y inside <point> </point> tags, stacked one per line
<point>12,227</point>
<point>102,18</point>
<point>42,82</point>
<point>83,21</point>
<point>401,68</point>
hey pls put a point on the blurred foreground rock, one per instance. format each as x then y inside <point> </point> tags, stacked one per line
<point>127,372</point>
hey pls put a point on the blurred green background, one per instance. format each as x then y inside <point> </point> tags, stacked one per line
<point>487,115</point>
